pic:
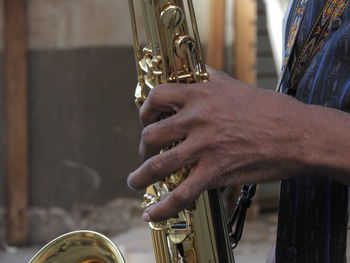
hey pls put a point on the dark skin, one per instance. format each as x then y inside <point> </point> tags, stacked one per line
<point>233,134</point>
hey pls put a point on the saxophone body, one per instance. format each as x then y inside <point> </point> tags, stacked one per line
<point>173,54</point>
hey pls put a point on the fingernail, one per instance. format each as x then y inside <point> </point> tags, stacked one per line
<point>146,217</point>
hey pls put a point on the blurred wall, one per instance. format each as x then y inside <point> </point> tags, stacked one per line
<point>84,128</point>
<point>266,68</point>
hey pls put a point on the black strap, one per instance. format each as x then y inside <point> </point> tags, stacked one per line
<point>236,224</point>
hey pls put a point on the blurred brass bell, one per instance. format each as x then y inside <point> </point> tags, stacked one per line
<point>79,247</point>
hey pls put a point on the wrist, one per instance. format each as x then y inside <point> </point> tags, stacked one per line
<point>300,148</point>
<point>325,143</point>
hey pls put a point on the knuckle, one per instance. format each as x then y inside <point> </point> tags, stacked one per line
<point>214,180</point>
<point>186,120</point>
<point>201,112</point>
<point>147,136</point>
<point>184,197</point>
<point>154,94</point>
<point>222,166</point>
<point>203,115</point>
<point>154,166</point>
<point>142,151</point>
<point>179,198</point>
<point>192,151</point>
<point>218,170</point>
<point>206,91</point>
<point>143,115</point>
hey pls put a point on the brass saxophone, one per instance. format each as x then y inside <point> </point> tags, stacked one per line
<point>202,233</point>
<point>173,53</point>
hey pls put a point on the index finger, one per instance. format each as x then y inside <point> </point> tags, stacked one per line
<point>165,98</point>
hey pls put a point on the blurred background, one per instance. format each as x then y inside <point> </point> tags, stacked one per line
<point>69,128</point>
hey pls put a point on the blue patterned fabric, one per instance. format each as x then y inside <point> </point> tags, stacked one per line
<point>313,209</point>
<point>327,80</point>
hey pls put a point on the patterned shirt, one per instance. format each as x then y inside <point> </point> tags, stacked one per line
<point>313,209</point>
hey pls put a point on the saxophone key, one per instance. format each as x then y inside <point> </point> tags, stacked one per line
<point>172,17</point>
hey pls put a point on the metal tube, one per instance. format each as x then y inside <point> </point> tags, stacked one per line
<point>196,35</point>
<point>137,49</point>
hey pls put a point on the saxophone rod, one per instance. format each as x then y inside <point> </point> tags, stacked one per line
<point>196,34</point>
<point>137,49</point>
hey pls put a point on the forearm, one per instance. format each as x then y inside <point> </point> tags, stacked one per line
<point>327,146</point>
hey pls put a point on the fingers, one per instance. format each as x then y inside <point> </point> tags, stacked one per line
<point>184,195</point>
<point>162,165</point>
<point>163,99</point>
<point>161,134</point>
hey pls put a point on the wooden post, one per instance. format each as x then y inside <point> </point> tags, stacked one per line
<point>245,31</point>
<point>216,39</point>
<point>245,54</point>
<point>16,119</point>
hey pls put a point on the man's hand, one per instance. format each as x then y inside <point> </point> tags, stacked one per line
<point>230,133</point>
